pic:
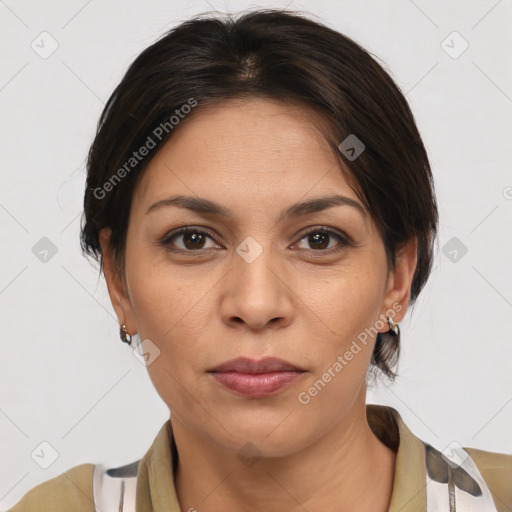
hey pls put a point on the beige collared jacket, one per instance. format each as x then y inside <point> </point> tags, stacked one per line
<point>426,480</point>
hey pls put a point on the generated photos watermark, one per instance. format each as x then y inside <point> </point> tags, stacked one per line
<point>151,142</point>
<point>305,397</point>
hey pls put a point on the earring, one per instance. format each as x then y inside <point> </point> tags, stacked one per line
<point>393,326</point>
<point>125,337</point>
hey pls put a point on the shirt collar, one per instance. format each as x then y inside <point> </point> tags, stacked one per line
<point>155,482</point>
<point>409,485</point>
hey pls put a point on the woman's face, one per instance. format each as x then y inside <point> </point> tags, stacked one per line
<point>310,286</point>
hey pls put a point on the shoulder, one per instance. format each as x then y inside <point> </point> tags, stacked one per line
<point>71,490</point>
<point>496,470</point>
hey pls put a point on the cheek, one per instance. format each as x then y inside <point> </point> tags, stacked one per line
<point>165,318</point>
<point>348,311</point>
<point>164,297</point>
<point>348,303</point>
<point>171,308</point>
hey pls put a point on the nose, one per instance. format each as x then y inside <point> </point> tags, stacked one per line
<point>258,294</point>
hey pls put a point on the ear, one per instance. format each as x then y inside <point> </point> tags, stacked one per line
<point>398,291</point>
<point>116,284</point>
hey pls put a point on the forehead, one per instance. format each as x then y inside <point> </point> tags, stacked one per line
<point>246,152</point>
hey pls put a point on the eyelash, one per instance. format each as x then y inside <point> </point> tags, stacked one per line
<point>344,239</point>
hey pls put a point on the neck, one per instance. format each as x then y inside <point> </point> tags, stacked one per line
<point>348,468</point>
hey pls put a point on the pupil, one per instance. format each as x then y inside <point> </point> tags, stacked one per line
<point>316,239</point>
<point>195,238</point>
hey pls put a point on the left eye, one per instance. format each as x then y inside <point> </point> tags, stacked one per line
<point>319,240</point>
<point>193,239</point>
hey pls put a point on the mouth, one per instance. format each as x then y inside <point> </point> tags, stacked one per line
<point>248,365</point>
<point>256,379</point>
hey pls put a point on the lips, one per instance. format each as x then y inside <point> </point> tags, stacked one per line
<point>247,365</point>
<point>256,379</point>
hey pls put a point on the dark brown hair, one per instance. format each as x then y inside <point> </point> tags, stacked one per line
<point>284,56</point>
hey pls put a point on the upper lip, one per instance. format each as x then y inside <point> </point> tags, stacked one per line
<point>248,365</point>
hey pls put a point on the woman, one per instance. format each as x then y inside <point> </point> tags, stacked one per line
<point>263,209</point>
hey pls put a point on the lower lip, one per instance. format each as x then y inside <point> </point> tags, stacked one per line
<point>256,384</point>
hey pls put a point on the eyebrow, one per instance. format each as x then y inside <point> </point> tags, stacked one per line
<point>206,207</point>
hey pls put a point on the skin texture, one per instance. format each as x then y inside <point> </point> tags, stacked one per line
<point>256,157</point>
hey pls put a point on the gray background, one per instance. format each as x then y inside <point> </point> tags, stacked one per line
<point>67,380</point>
